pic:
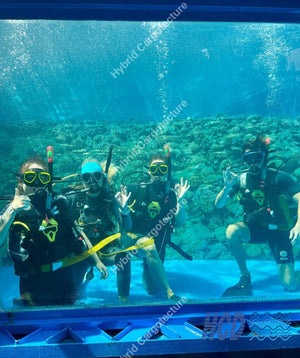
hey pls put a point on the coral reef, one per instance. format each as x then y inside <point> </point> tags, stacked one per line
<point>201,148</point>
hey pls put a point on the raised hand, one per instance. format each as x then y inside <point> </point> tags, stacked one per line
<point>20,202</point>
<point>122,198</point>
<point>229,178</point>
<point>181,188</point>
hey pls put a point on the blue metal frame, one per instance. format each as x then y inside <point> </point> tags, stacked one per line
<point>112,332</point>
<point>117,331</point>
<point>153,10</point>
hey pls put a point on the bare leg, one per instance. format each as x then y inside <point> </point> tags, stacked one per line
<point>156,268</point>
<point>237,234</point>
<point>123,276</point>
<point>289,278</point>
<point>150,283</point>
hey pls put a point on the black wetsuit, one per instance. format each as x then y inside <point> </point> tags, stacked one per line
<point>153,213</point>
<point>99,217</point>
<point>38,238</point>
<point>96,216</point>
<point>266,212</point>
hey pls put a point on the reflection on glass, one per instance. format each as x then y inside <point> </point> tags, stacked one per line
<point>143,119</point>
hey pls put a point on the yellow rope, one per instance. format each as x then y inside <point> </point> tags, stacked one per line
<point>68,261</point>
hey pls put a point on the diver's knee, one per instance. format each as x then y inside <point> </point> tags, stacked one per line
<point>233,232</point>
<point>150,249</point>
<point>145,245</point>
<point>147,252</point>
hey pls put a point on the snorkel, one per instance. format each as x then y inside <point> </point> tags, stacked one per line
<point>50,154</point>
<point>168,155</point>
<point>108,161</point>
<point>50,169</point>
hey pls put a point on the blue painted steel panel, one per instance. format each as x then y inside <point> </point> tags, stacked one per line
<point>112,332</point>
<point>197,10</point>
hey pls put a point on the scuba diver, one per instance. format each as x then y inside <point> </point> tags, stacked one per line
<point>98,214</point>
<point>155,207</point>
<point>264,194</point>
<point>40,236</point>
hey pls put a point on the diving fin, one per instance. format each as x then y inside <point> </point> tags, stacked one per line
<point>242,288</point>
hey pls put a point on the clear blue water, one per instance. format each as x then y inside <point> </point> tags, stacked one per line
<point>62,70</point>
<point>82,86</point>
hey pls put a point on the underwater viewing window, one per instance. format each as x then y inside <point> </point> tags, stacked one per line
<point>96,100</point>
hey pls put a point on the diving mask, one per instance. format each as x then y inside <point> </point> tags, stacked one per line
<point>253,157</point>
<point>158,169</point>
<point>88,177</point>
<point>35,177</point>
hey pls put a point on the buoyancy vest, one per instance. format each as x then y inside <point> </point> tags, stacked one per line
<point>150,206</point>
<point>153,209</point>
<point>263,203</point>
<point>96,216</point>
<point>36,239</point>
